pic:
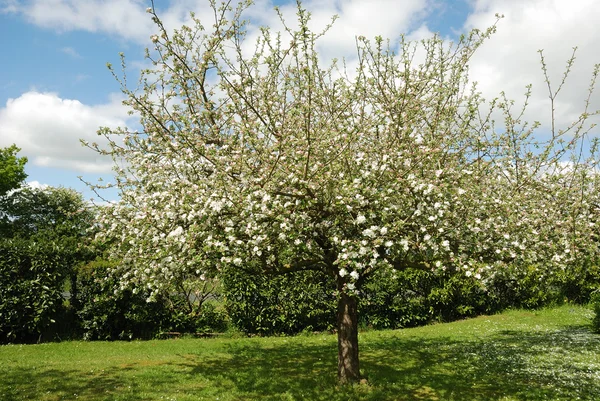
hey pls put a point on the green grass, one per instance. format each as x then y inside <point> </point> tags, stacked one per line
<point>518,355</point>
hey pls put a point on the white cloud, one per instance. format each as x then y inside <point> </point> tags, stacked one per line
<point>354,18</point>
<point>36,185</point>
<point>509,60</point>
<point>48,128</point>
<point>70,52</point>
<point>128,18</point>
<point>8,6</point>
<point>125,18</point>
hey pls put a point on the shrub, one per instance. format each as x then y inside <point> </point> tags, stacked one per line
<point>211,317</point>
<point>455,296</point>
<point>394,300</point>
<point>288,304</point>
<point>413,297</point>
<point>404,298</point>
<point>43,236</point>
<point>578,282</point>
<point>523,287</point>
<point>108,315</point>
<point>31,281</point>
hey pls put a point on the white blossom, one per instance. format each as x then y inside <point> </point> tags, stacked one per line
<point>176,232</point>
<point>369,232</point>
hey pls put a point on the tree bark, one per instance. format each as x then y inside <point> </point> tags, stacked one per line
<point>347,326</point>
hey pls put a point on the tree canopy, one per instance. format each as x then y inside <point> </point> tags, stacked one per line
<point>12,169</point>
<point>281,160</point>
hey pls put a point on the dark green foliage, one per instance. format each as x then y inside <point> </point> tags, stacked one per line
<point>31,278</point>
<point>42,239</point>
<point>299,301</point>
<point>406,298</point>
<point>108,315</point>
<point>414,297</point>
<point>50,213</point>
<point>288,303</point>
<point>535,287</point>
<point>524,287</point>
<point>211,317</point>
<point>579,281</point>
<point>396,299</point>
<point>455,296</point>
<point>12,169</point>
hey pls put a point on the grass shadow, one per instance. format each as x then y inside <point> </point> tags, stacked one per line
<point>52,384</point>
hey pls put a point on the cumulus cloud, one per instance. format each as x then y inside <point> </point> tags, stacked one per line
<point>357,17</point>
<point>128,18</point>
<point>48,129</point>
<point>510,61</point>
<point>125,18</point>
<point>36,185</point>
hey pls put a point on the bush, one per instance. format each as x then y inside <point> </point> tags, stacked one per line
<point>43,236</point>
<point>414,297</point>
<point>31,280</point>
<point>528,287</point>
<point>288,304</point>
<point>108,315</point>
<point>455,296</point>
<point>578,282</point>
<point>211,317</point>
<point>304,301</point>
<point>394,300</point>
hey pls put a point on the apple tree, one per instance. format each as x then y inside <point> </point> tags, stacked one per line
<point>264,155</point>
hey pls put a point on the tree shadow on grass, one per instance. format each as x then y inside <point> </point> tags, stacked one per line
<point>51,384</point>
<point>122,382</point>
<point>512,365</point>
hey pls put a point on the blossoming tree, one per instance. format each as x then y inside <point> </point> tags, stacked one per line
<point>279,159</point>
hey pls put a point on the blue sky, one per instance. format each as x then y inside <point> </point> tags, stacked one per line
<point>55,87</point>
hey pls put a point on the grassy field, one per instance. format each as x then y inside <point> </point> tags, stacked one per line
<point>519,355</point>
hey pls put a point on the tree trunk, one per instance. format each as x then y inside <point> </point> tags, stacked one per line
<point>347,326</point>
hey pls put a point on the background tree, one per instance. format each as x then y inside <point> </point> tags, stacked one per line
<point>12,169</point>
<point>268,160</point>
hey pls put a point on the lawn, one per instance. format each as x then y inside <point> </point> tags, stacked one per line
<point>549,354</point>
